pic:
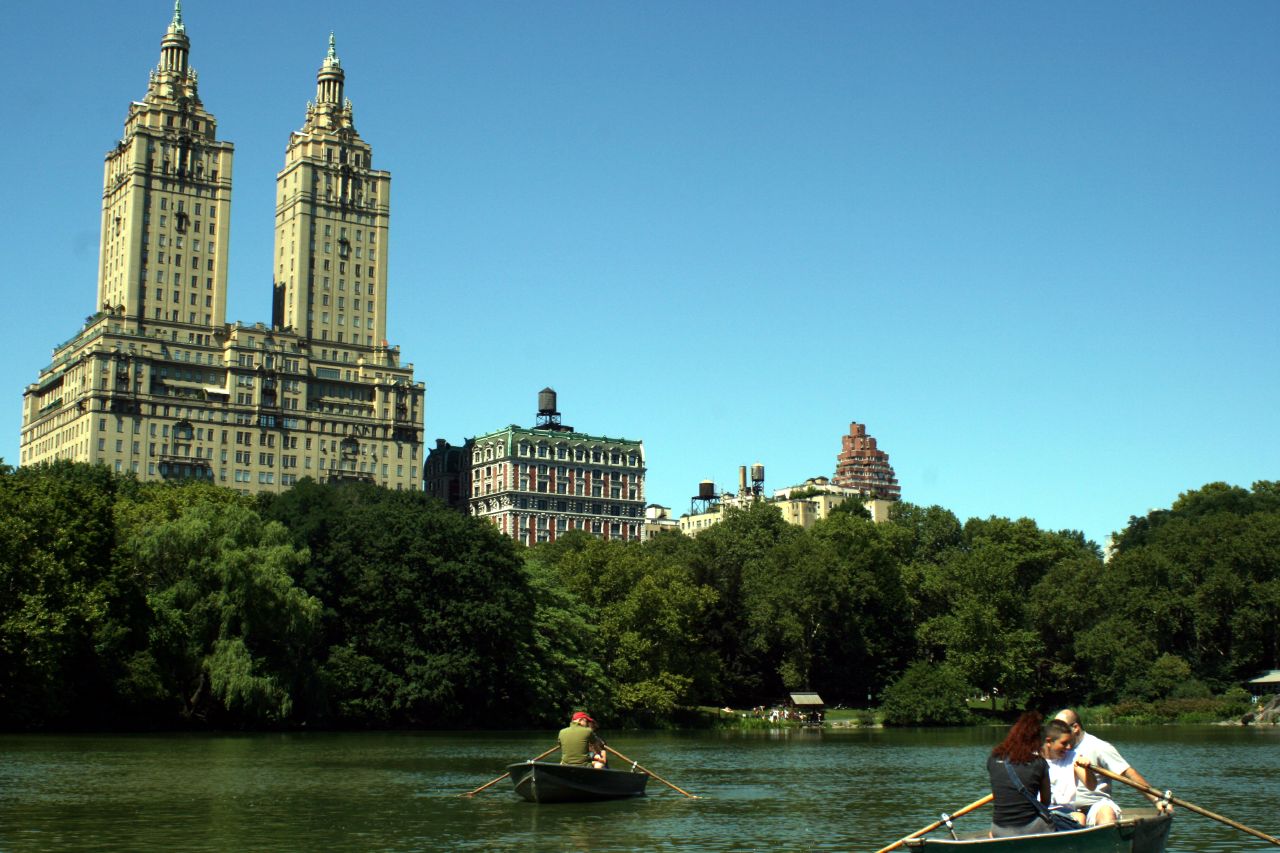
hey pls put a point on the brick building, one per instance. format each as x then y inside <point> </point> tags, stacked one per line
<point>864,468</point>
<point>535,483</point>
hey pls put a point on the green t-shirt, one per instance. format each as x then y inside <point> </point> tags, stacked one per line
<point>576,743</point>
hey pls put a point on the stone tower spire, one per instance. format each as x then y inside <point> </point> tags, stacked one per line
<point>175,46</point>
<point>329,79</point>
<point>332,216</point>
<point>166,201</point>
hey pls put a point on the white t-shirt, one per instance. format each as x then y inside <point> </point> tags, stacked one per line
<point>1102,754</point>
<point>1062,779</point>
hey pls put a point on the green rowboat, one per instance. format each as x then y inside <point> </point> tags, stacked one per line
<point>545,782</point>
<point>1141,831</point>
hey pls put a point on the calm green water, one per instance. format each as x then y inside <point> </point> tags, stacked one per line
<point>842,790</point>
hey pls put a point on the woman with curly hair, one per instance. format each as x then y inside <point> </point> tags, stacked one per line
<point>1019,776</point>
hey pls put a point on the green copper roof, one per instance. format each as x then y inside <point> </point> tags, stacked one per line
<point>514,429</point>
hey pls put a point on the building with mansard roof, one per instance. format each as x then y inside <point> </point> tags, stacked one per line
<point>158,383</point>
<point>537,483</point>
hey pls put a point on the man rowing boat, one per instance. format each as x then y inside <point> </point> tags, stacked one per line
<point>579,743</point>
<point>1095,801</point>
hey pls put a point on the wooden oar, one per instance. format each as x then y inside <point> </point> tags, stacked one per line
<point>505,775</point>
<point>1147,789</point>
<point>651,773</point>
<point>976,804</point>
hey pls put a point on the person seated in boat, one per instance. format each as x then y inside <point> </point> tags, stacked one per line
<point>579,743</point>
<point>1093,794</point>
<point>1019,775</point>
<point>1064,773</point>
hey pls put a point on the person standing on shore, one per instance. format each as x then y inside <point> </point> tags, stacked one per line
<point>1095,800</point>
<point>579,743</point>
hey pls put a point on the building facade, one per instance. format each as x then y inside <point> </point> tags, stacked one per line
<point>158,383</point>
<point>864,468</point>
<point>803,505</point>
<point>658,520</point>
<point>815,498</point>
<point>536,483</point>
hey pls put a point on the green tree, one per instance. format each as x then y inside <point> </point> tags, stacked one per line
<point>927,695</point>
<point>920,539</point>
<point>64,624</point>
<point>1064,606</point>
<point>559,667</point>
<point>851,506</point>
<point>978,593</point>
<point>829,611</point>
<point>726,558</point>
<point>425,607</point>
<point>1209,569</point>
<point>230,636</point>
<point>648,610</point>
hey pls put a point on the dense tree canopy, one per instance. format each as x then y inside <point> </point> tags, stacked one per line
<point>157,605</point>
<point>423,606</point>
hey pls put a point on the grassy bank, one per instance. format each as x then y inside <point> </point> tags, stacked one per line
<point>1226,709</point>
<point>1230,708</point>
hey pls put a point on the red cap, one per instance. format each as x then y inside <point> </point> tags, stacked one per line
<point>583,715</point>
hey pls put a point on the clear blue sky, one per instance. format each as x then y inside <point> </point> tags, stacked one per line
<point>1035,247</point>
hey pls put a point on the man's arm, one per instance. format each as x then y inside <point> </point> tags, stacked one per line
<point>1133,774</point>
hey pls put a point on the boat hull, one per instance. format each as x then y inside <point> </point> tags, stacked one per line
<point>1139,833</point>
<point>545,782</point>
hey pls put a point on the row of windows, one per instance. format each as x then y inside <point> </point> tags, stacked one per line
<point>561,488</point>
<point>596,475</point>
<point>161,278</point>
<point>342,302</point>
<point>179,206</point>
<point>595,454</point>
<point>581,507</point>
<point>541,531</point>
<point>344,248</point>
<point>342,234</point>
<point>241,457</point>
<point>185,430</point>
<point>559,451</point>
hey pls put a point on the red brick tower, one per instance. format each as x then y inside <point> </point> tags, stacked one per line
<point>861,466</point>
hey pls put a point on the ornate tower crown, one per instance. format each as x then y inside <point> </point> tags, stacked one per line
<point>329,82</point>
<point>175,45</point>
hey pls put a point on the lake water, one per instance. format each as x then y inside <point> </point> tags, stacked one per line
<point>787,790</point>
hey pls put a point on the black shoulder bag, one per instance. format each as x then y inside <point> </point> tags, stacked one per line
<point>1059,821</point>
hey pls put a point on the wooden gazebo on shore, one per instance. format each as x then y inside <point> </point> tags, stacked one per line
<point>809,706</point>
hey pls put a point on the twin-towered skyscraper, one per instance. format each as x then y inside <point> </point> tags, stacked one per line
<point>158,383</point>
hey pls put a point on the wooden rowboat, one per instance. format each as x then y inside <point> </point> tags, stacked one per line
<point>545,782</point>
<point>1141,831</point>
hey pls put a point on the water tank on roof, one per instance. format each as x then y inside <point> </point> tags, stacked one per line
<point>706,490</point>
<point>546,401</point>
<point>757,473</point>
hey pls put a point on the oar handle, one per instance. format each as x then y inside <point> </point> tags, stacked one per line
<point>1147,789</point>
<point>636,764</point>
<point>505,775</point>
<point>976,804</point>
